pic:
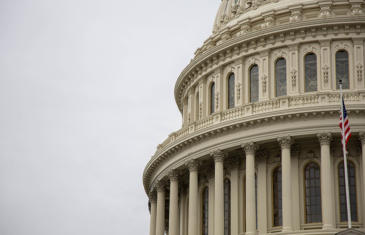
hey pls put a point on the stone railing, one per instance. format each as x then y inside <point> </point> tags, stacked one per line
<point>276,104</point>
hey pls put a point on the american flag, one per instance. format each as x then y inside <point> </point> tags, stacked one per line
<point>346,123</point>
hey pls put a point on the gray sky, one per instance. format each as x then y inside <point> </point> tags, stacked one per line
<point>86,94</point>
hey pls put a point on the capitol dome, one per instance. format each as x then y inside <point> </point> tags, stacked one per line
<point>259,150</point>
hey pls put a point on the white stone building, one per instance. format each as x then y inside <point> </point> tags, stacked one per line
<point>259,150</point>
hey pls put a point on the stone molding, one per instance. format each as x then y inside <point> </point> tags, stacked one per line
<point>324,138</point>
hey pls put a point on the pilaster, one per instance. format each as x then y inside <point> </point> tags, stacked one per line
<point>359,63</point>
<point>326,74</point>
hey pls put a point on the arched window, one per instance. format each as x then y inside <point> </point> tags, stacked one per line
<point>310,71</point>
<point>312,181</point>
<point>197,106</point>
<point>227,207</point>
<point>231,84</point>
<point>254,83</point>
<point>342,69</point>
<point>205,212</point>
<point>212,98</point>
<point>280,77</point>
<point>277,199</point>
<point>352,191</point>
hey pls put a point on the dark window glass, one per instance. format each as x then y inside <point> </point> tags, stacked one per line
<point>342,69</point>
<point>212,98</point>
<point>277,210</point>
<point>231,81</point>
<point>352,191</point>
<point>310,66</point>
<point>205,211</point>
<point>312,182</point>
<point>197,106</point>
<point>254,83</point>
<point>227,207</point>
<point>280,77</point>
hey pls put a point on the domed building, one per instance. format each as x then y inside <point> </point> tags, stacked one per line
<point>259,150</point>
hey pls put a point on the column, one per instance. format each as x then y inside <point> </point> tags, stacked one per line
<point>160,218</point>
<point>285,143</point>
<point>153,214</point>
<point>234,197</point>
<point>328,204</point>
<point>261,192</point>
<point>362,139</point>
<point>174,208</point>
<point>250,149</point>
<point>193,198</point>
<point>218,193</point>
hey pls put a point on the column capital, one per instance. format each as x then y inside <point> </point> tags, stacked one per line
<point>218,155</point>
<point>160,186</point>
<point>324,138</point>
<point>173,175</point>
<point>362,137</point>
<point>152,196</point>
<point>250,148</point>
<point>285,142</point>
<point>192,165</point>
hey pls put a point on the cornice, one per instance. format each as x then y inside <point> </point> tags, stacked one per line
<point>274,36</point>
<point>259,120</point>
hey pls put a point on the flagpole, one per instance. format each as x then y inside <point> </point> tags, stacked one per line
<point>349,224</point>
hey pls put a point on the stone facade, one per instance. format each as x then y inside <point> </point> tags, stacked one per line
<point>285,115</point>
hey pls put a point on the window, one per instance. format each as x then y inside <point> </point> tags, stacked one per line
<point>231,83</point>
<point>342,69</point>
<point>352,191</point>
<point>205,212</point>
<point>212,98</point>
<point>310,71</point>
<point>227,207</point>
<point>312,181</point>
<point>197,106</point>
<point>280,77</point>
<point>254,83</point>
<point>277,199</point>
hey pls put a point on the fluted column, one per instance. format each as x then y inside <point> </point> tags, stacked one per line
<point>250,149</point>
<point>160,217</point>
<point>285,143</point>
<point>218,193</point>
<point>174,207</point>
<point>362,139</point>
<point>193,198</point>
<point>326,184</point>
<point>153,214</point>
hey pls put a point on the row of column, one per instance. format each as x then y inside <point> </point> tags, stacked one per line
<point>157,219</point>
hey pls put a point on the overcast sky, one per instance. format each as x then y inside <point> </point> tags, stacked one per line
<point>86,95</point>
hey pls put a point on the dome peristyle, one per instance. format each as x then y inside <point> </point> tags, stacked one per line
<point>259,149</point>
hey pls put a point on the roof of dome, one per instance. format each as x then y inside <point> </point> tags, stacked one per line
<point>232,11</point>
